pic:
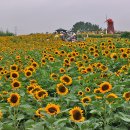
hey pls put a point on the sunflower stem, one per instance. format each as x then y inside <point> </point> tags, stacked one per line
<point>15,121</point>
<point>105,112</point>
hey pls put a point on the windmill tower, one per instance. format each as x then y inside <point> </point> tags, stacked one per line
<point>110,26</point>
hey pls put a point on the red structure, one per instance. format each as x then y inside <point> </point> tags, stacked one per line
<point>110,26</point>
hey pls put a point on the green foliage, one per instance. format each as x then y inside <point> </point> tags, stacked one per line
<point>125,35</point>
<point>85,27</point>
<point>7,33</point>
<point>104,36</point>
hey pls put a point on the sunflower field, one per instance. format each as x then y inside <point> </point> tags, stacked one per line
<point>49,84</point>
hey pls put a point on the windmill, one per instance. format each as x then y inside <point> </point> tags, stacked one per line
<point>110,26</point>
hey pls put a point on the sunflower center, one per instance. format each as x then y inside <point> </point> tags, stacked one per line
<point>13,67</point>
<point>30,88</point>
<point>124,55</point>
<point>31,69</point>
<point>16,84</point>
<point>14,99</point>
<point>80,93</point>
<point>66,79</point>
<point>52,110</point>
<point>85,100</point>
<point>89,69</point>
<point>35,65</point>
<point>111,96</point>
<point>28,73</point>
<point>54,76</point>
<point>114,56</point>
<point>103,67</point>
<point>14,75</point>
<point>105,87</point>
<point>127,95</point>
<point>41,93</point>
<point>77,115</point>
<point>62,89</point>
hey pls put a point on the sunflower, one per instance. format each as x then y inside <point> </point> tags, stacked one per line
<point>41,94</point>
<point>39,112</point>
<point>114,56</point>
<point>2,72</point>
<point>124,55</point>
<point>111,97</point>
<point>35,64</point>
<point>61,89</point>
<point>13,67</point>
<point>89,69</point>
<point>80,93</point>
<point>105,87</point>
<point>73,53</point>
<point>98,64</point>
<point>72,59</point>
<point>52,109</point>
<point>126,95</point>
<point>86,100</point>
<point>14,99</point>
<point>62,70</point>
<point>33,81</point>
<point>97,90</point>
<point>56,52</point>
<point>77,54</point>
<point>69,55</point>
<point>91,49</point>
<point>54,76</point>
<point>16,84</point>
<point>96,54</point>
<point>18,57</point>
<point>1,68</point>
<point>31,68</point>
<point>43,61</point>
<point>28,73</point>
<point>84,57</point>
<point>79,64</point>
<point>14,74</point>
<point>52,59</point>
<point>35,90</point>
<point>67,80</point>
<point>62,52</point>
<point>1,114</point>
<point>76,114</point>
<point>103,68</point>
<point>104,75</point>
<point>5,92</point>
<point>87,89</point>
<point>30,88</point>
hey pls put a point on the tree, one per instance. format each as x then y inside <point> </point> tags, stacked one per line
<point>7,33</point>
<point>85,27</point>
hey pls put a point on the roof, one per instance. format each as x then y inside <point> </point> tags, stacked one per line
<point>61,29</point>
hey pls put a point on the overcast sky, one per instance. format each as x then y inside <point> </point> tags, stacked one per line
<point>31,16</point>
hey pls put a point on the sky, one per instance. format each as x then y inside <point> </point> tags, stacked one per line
<point>40,16</point>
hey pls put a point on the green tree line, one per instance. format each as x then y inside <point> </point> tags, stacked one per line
<point>6,33</point>
<point>85,27</point>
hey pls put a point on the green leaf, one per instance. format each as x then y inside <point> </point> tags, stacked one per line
<point>28,123</point>
<point>67,128</point>
<point>60,121</point>
<point>124,117</point>
<point>38,126</point>
<point>107,127</point>
<point>20,117</point>
<point>8,127</point>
